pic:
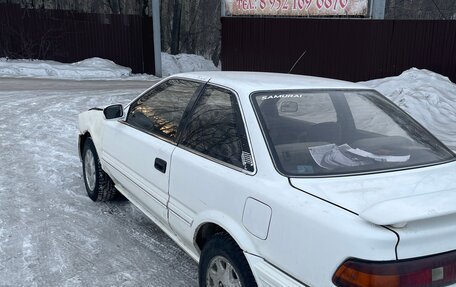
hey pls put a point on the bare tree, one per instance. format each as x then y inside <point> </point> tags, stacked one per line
<point>176,28</point>
<point>191,27</point>
<point>17,42</point>
<point>186,26</point>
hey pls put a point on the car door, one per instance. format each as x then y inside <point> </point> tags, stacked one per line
<point>137,151</point>
<point>211,163</point>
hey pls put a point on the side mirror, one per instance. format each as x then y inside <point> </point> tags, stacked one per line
<point>113,112</point>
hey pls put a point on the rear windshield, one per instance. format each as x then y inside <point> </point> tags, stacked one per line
<point>332,132</point>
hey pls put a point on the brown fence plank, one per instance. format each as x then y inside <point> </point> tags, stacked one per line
<point>68,36</point>
<point>349,49</point>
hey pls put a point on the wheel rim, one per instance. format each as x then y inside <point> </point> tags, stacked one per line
<point>89,169</point>
<point>222,274</point>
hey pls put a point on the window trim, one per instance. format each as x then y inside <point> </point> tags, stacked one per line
<point>273,155</point>
<point>198,90</point>
<point>168,140</point>
<point>241,112</point>
<point>189,111</point>
<point>128,106</point>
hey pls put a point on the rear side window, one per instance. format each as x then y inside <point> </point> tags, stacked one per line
<point>215,129</point>
<point>160,110</point>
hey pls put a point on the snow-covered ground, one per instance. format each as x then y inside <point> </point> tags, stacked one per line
<point>52,234</point>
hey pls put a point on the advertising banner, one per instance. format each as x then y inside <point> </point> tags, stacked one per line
<point>299,8</point>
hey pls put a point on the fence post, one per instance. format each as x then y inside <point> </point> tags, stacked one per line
<point>222,8</point>
<point>157,37</point>
<point>378,9</point>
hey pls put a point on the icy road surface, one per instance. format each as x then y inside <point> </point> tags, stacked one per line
<point>51,233</point>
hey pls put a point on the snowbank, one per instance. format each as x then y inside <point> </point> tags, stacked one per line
<point>427,96</point>
<point>89,69</point>
<point>100,69</point>
<point>174,64</point>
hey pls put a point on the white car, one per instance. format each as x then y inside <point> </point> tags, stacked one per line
<point>281,180</point>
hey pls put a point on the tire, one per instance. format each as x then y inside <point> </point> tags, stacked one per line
<point>222,263</point>
<point>98,184</point>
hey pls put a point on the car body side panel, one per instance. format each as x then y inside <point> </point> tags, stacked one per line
<point>165,227</point>
<point>130,155</point>
<point>202,189</point>
<point>93,121</point>
<point>308,238</point>
<point>426,222</point>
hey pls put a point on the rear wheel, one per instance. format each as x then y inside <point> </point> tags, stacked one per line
<point>98,184</point>
<point>223,264</point>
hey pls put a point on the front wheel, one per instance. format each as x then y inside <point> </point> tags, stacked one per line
<point>98,184</point>
<point>223,264</point>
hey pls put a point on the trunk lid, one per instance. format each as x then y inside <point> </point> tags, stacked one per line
<point>390,198</point>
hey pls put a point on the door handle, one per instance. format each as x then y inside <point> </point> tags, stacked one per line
<point>160,165</point>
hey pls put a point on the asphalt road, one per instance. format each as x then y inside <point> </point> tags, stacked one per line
<point>51,233</point>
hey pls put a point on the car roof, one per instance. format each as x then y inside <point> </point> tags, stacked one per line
<point>249,82</point>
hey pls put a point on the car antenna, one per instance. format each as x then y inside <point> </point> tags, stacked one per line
<point>297,61</point>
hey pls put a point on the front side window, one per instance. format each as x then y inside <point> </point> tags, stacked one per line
<point>333,132</point>
<point>215,129</point>
<point>160,110</point>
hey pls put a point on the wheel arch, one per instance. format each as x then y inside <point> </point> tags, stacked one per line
<point>81,141</point>
<point>223,224</point>
<point>90,125</point>
<point>204,233</point>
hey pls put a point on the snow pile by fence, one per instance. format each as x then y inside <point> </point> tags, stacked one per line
<point>89,69</point>
<point>174,64</point>
<point>427,96</point>
<point>100,69</point>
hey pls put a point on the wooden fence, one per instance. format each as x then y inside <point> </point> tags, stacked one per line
<point>348,49</point>
<point>67,36</point>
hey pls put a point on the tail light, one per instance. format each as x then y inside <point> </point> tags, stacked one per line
<point>432,271</point>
